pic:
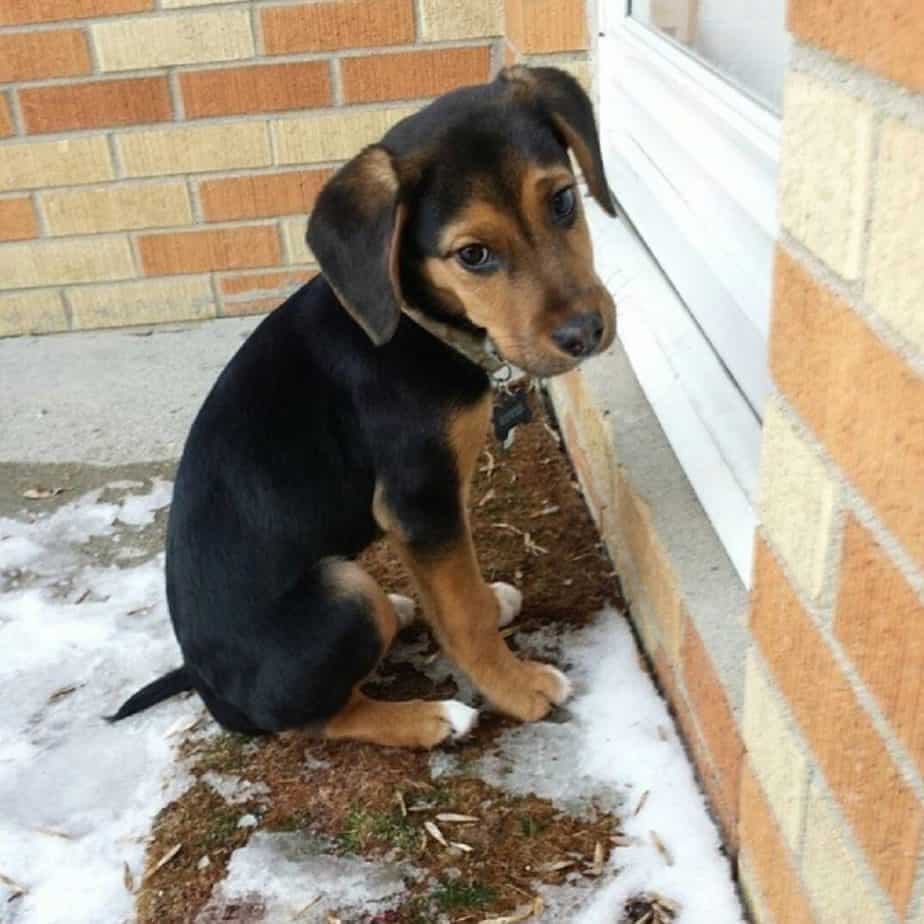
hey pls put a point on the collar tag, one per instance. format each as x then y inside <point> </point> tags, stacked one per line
<point>510,410</point>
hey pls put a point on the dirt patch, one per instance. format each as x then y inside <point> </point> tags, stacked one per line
<point>531,528</point>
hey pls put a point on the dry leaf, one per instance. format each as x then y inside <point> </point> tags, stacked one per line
<point>457,819</point>
<point>662,848</point>
<point>164,860</point>
<point>13,886</point>
<point>435,833</point>
<point>40,493</point>
<point>128,880</point>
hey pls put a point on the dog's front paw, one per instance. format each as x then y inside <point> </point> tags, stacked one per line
<point>509,602</point>
<point>405,608</point>
<point>445,720</point>
<point>541,687</point>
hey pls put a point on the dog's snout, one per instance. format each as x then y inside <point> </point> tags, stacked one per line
<point>580,335</point>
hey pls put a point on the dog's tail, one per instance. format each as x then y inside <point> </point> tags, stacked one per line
<point>176,681</point>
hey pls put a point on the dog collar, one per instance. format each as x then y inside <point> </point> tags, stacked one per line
<point>478,350</point>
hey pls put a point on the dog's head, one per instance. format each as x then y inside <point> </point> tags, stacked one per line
<point>468,212</point>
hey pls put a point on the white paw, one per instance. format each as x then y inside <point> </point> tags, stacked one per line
<point>565,687</point>
<point>509,599</point>
<point>404,607</point>
<point>461,718</point>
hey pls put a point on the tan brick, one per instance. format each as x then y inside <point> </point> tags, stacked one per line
<point>234,309</point>
<point>177,4</point>
<point>6,123</point>
<point>202,251</point>
<point>17,219</point>
<point>18,12</point>
<point>192,148</point>
<point>149,301</point>
<point>293,234</point>
<point>409,74</point>
<point>895,283</point>
<point>859,397</point>
<point>774,753</point>
<point>331,26</point>
<point>833,878</point>
<point>770,863</point>
<point>717,724</point>
<point>116,208</point>
<point>885,36</point>
<point>880,622</point>
<point>253,284</point>
<point>511,56</point>
<point>543,26</point>
<point>262,195</point>
<point>798,500</point>
<point>49,53</point>
<point>260,88</point>
<point>825,171</point>
<point>48,263</point>
<point>95,104</point>
<point>881,807</point>
<point>27,165</point>
<point>334,135</point>
<point>177,38</point>
<point>34,312</point>
<point>443,20</point>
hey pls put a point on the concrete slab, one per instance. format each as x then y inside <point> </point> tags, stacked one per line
<point>109,397</point>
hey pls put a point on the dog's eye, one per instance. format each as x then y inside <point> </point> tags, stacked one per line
<point>475,256</point>
<point>562,205</point>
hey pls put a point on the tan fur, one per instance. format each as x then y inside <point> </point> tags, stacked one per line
<point>347,579</point>
<point>460,606</point>
<point>410,724</point>
<point>547,275</point>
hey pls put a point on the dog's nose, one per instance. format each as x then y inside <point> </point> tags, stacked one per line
<point>580,335</point>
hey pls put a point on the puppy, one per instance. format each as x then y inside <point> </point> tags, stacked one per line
<point>358,409</point>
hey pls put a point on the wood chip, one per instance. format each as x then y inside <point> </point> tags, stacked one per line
<point>667,904</point>
<point>555,867</point>
<point>13,886</point>
<point>402,805</point>
<point>489,496</point>
<point>661,847</point>
<point>554,433</point>
<point>533,547</point>
<point>546,511</point>
<point>40,493</point>
<point>521,914</point>
<point>642,801</point>
<point>435,833</point>
<point>465,848</point>
<point>489,468</point>
<point>596,867</point>
<point>128,880</point>
<point>510,630</point>
<point>164,860</point>
<point>82,597</point>
<point>54,832</point>
<point>457,819</point>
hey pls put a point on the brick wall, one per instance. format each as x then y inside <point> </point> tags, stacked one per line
<point>831,800</point>
<point>158,158</point>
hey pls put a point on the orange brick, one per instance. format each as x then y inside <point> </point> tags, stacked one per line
<point>511,55</point>
<point>202,251</point>
<point>538,26</point>
<point>344,24</point>
<point>261,196</point>
<point>880,806</point>
<point>773,867</point>
<point>264,88</point>
<point>862,400</point>
<point>883,35</point>
<point>95,104</point>
<point>410,74</point>
<point>717,723</point>
<point>264,282</point>
<point>254,306</point>
<point>33,55</point>
<point>17,219</point>
<point>880,622</point>
<point>6,123</point>
<point>17,12</point>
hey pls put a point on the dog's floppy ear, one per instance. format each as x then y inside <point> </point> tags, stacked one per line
<point>354,232</point>
<point>566,104</point>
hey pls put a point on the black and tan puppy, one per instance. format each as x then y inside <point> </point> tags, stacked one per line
<point>347,415</point>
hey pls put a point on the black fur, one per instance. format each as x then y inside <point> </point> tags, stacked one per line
<point>280,466</point>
